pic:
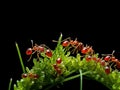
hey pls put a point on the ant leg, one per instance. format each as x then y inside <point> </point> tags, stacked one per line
<point>34,52</point>
<point>38,56</point>
<point>45,46</point>
<point>75,49</point>
<point>112,65</point>
<point>68,38</point>
<point>29,58</point>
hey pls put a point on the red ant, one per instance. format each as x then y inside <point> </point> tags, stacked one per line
<point>30,75</point>
<point>112,60</point>
<point>87,50</point>
<point>38,49</point>
<point>78,46</point>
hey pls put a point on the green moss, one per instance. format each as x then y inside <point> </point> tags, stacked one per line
<point>48,77</point>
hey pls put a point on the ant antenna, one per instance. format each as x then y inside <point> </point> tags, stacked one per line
<point>109,54</point>
<point>54,41</point>
<point>32,42</point>
<point>113,52</point>
<point>76,39</point>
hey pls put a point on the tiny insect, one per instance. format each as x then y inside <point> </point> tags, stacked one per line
<point>112,60</point>
<point>87,50</point>
<point>68,43</point>
<point>38,49</point>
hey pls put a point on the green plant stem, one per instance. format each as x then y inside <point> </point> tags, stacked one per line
<point>19,54</point>
<point>80,79</point>
<point>73,77</point>
<point>9,87</point>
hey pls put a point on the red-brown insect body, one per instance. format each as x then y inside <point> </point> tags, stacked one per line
<point>40,48</point>
<point>24,75</point>
<point>74,44</point>
<point>35,76</point>
<point>118,64</point>
<point>102,62</point>
<point>84,50</point>
<point>115,60</point>
<point>107,58</point>
<point>65,43</point>
<point>55,66</point>
<point>48,53</point>
<point>59,60</point>
<point>107,69</point>
<point>87,50</point>
<point>88,58</point>
<point>35,48</point>
<point>29,51</point>
<point>59,71</point>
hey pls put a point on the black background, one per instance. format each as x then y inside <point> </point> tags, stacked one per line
<point>93,27</point>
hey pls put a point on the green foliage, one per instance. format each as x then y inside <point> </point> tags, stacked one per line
<point>43,75</point>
